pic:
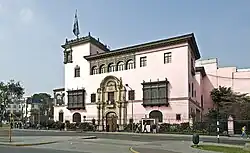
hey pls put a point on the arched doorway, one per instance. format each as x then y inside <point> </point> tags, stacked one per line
<point>77,117</point>
<point>111,122</point>
<point>61,116</point>
<point>156,115</point>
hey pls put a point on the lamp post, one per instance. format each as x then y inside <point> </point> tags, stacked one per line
<point>132,107</point>
<point>218,125</point>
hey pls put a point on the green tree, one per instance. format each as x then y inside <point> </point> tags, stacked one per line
<point>229,103</point>
<point>11,91</point>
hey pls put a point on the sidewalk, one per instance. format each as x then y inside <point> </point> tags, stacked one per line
<point>169,147</point>
<point>170,135</point>
<point>40,140</point>
<point>235,137</point>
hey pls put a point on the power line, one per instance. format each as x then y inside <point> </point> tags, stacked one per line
<point>233,78</point>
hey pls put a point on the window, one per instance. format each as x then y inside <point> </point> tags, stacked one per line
<point>77,71</point>
<point>192,90</point>
<point>102,69</point>
<point>189,88</point>
<point>194,93</point>
<point>120,66</point>
<point>94,70</point>
<point>167,57</point>
<point>130,64</point>
<point>111,97</point>
<point>131,95</point>
<point>192,67</point>
<point>201,101</point>
<point>61,116</point>
<point>76,99</point>
<point>111,67</point>
<point>93,98</point>
<point>143,61</point>
<point>155,93</point>
<point>68,56</point>
<point>178,117</point>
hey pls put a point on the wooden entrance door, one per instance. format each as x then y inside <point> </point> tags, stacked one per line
<point>111,122</point>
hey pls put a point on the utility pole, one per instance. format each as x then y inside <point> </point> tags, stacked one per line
<point>132,101</point>
<point>218,125</point>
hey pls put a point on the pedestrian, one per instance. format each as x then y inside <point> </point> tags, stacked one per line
<point>145,128</point>
<point>154,128</point>
<point>243,130</point>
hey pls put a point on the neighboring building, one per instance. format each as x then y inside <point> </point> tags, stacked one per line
<point>162,79</point>
<point>158,73</point>
<point>16,107</point>
<point>30,106</point>
<point>215,76</point>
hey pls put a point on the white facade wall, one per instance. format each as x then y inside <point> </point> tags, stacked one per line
<point>176,72</point>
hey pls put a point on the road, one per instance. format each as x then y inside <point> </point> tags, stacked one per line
<point>144,138</point>
<point>8,149</point>
<point>71,142</point>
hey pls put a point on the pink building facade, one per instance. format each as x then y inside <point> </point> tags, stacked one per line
<point>161,79</point>
<point>215,76</point>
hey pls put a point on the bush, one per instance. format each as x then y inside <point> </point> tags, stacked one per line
<point>86,126</point>
<point>72,126</point>
<point>67,123</point>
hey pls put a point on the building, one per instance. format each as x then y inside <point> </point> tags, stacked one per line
<point>162,79</point>
<point>151,80</point>
<point>215,76</point>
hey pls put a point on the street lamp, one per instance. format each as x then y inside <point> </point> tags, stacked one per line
<point>218,125</point>
<point>132,107</point>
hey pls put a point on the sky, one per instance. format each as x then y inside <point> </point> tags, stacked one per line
<point>32,31</point>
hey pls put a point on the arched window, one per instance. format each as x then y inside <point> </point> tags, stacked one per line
<point>94,70</point>
<point>111,67</point>
<point>61,116</point>
<point>77,117</point>
<point>120,66</point>
<point>156,115</point>
<point>102,69</point>
<point>130,65</point>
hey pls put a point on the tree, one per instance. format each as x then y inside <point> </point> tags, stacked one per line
<point>229,103</point>
<point>11,91</point>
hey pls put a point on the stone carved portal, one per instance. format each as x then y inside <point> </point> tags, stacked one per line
<point>112,106</point>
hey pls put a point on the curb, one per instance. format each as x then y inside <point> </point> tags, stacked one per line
<point>40,143</point>
<point>90,137</point>
<point>28,144</point>
<point>132,150</point>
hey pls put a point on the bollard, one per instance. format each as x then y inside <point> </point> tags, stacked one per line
<point>196,139</point>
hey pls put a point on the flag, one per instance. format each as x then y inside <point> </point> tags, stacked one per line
<point>76,30</point>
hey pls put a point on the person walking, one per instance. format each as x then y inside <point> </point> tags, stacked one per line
<point>145,128</point>
<point>243,132</point>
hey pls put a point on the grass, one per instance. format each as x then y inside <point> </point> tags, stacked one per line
<point>221,149</point>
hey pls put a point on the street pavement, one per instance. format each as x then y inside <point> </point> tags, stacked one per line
<point>109,142</point>
<point>121,146</point>
<point>8,149</point>
<point>133,136</point>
